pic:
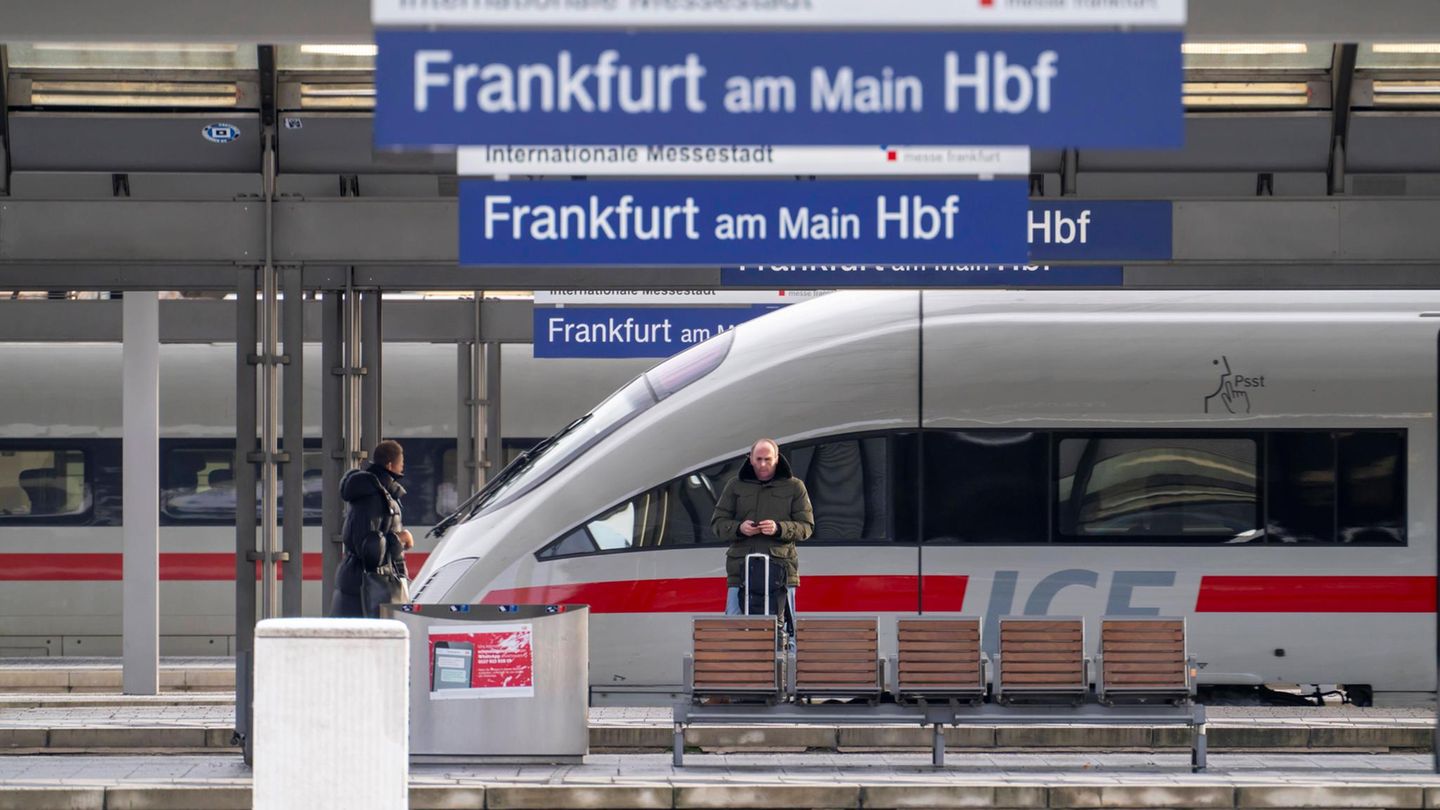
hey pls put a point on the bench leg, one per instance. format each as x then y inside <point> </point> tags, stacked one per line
<point>937,747</point>
<point>1197,752</point>
<point>679,746</point>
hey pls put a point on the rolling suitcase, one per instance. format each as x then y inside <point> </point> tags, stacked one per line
<point>764,591</point>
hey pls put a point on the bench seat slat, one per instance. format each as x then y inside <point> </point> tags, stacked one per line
<point>836,624</point>
<point>735,622</point>
<point>1161,646</point>
<point>927,634</point>
<point>1067,648</point>
<point>736,666</point>
<point>1144,624</point>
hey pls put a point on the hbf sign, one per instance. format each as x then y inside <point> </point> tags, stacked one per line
<point>1048,89</point>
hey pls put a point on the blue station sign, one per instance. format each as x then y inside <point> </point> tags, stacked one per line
<point>1041,88</point>
<point>632,331</point>
<point>769,276</point>
<point>730,222</point>
<point>1105,232</point>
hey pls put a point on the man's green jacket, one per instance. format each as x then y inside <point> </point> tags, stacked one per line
<point>782,499</point>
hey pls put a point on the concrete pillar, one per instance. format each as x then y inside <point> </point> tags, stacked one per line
<point>140,479</point>
<point>332,723</point>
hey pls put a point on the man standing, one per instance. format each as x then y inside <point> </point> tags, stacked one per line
<point>765,509</point>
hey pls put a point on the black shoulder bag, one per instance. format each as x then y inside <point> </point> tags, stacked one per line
<point>380,584</point>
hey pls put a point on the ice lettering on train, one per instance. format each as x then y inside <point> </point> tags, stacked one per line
<point>1118,602</point>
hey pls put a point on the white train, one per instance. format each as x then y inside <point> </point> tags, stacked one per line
<point>60,507</point>
<point>1263,464</point>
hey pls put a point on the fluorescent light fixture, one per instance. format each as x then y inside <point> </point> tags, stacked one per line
<point>134,47</point>
<point>1243,48</point>
<point>1406,47</point>
<point>1416,93</point>
<point>337,96</point>
<point>1249,88</point>
<point>1245,101</point>
<point>134,94</point>
<point>339,50</point>
<point>1246,94</point>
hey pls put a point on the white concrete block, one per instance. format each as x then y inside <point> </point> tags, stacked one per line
<point>331,714</point>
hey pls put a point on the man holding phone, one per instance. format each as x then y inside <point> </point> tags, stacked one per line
<point>764,509</point>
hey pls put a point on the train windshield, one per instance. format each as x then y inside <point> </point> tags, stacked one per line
<point>549,456</point>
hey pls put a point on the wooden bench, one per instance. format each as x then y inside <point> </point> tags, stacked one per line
<point>1041,660</point>
<point>734,656</point>
<point>939,658</point>
<point>1143,660</point>
<point>838,657</point>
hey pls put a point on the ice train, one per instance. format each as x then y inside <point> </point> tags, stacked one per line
<point>1261,463</point>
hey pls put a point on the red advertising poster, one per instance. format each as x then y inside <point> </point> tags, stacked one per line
<point>497,661</point>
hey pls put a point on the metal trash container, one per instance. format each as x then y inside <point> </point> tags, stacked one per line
<point>498,683</point>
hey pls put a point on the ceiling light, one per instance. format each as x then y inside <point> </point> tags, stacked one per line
<point>1420,93</point>
<point>337,96</point>
<point>1246,94</point>
<point>339,50</point>
<point>133,47</point>
<point>1243,48</point>
<point>133,94</point>
<point>1406,47</point>
<point>1245,101</point>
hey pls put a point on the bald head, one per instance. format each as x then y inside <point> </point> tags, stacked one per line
<point>764,455</point>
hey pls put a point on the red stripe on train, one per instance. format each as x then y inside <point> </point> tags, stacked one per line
<point>818,594</point>
<point>1316,595</point>
<point>174,567</point>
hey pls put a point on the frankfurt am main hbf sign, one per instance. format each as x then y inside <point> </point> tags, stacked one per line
<point>1046,89</point>
<point>685,79</point>
<point>608,222</point>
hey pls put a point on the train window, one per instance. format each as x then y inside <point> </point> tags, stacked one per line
<point>1370,487</point>
<point>447,499</point>
<point>199,485</point>
<point>1300,487</point>
<point>986,486</point>
<point>1158,487</point>
<point>36,482</point>
<point>1326,487</point>
<point>848,482</point>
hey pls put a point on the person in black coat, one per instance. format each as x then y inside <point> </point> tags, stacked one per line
<point>372,526</point>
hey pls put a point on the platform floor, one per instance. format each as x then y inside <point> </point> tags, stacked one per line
<point>192,723</point>
<point>812,780</point>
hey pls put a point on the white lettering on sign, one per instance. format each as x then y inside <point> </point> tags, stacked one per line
<point>801,224</point>
<point>993,79</point>
<point>612,330</point>
<point>843,92</point>
<point>604,85</point>
<point>916,219</point>
<point>621,220</point>
<point>1054,228</point>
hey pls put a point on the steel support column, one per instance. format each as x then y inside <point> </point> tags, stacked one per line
<point>333,407</point>
<point>141,484</point>
<point>245,446</point>
<point>466,426</point>
<point>294,446</point>
<point>268,457</point>
<point>370,354</point>
<point>494,458</point>
<point>1342,83</point>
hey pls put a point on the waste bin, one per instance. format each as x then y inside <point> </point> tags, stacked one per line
<point>498,683</point>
